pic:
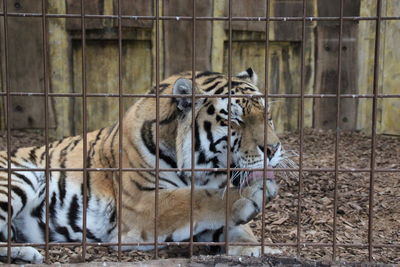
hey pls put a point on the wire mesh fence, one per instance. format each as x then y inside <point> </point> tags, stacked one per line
<point>118,169</point>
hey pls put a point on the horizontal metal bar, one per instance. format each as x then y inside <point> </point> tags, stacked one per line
<point>306,244</point>
<point>201,169</point>
<point>202,95</point>
<point>206,18</point>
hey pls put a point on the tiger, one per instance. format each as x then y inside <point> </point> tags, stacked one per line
<point>140,139</point>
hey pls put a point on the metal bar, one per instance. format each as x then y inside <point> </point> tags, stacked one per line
<point>300,187</point>
<point>374,119</point>
<point>202,18</point>
<point>192,163</point>
<point>84,113</point>
<point>337,134</point>
<point>157,167</point>
<point>46,123</point>
<point>201,96</point>
<point>266,62</point>
<point>8,116</point>
<point>228,141</point>
<point>201,169</point>
<point>185,243</point>
<point>120,137</point>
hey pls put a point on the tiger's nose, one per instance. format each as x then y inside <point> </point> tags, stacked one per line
<point>271,149</point>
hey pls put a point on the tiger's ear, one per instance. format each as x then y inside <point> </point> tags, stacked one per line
<point>248,75</point>
<point>183,86</point>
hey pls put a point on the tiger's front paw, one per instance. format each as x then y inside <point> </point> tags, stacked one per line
<point>251,202</point>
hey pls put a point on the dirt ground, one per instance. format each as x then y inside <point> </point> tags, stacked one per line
<point>316,204</point>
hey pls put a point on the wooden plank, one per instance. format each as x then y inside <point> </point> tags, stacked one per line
<point>102,77</point>
<point>26,68</point>
<point>92,7</point>
<point>288,30</point>
<point>24,6</point>
<point>135,8</point>
<point>247,8</point>
<point>326,66</point>
<point>331,8</point>
<point>178,37</point>
<point>390,73</point>
<point>282,31</point>
<point>327,75</point>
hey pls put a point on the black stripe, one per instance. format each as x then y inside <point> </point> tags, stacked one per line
<point>32,154</point>
<point>220,90</point>
<point>207,73</point>
<point>64,231</point>
<point>147,137</point>
<point>26,180</point>
<point>74,208</point>
<point>142,188</point>
<point>90,235</point>
<point>182,177</point>
<point>4,207</point>
<point>112,146</point>
<point>212,87</point>
<point>21,194</point>
<point>38,210</point>
<point>207,128</point>
<point>52,207</point>
<point>168,181</point>
<point>197,142</point>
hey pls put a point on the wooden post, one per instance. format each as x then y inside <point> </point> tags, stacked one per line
<point>326,66</point>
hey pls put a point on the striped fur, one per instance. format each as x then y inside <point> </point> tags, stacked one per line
<point>138,187</point>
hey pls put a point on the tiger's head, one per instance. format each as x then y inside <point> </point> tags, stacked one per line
<point>248,120</point>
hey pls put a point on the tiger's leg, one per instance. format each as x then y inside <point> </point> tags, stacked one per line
<point>22,192</point>
<point>174,211</point>
<point>237,234</point>
<point>248,206</point>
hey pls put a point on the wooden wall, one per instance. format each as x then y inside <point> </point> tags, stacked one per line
<point>248,49</point>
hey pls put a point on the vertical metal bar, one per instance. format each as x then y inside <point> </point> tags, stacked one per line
<point>266,62</point>
<point>228,160</point>
<point>8,111</point>
<point>120,120</point>
<point>374,118</point>
<point>303,45</point>
<point>157,129</point>
<point>192,184</point>
<point>84,114</point>
<point>339,85</point>
<point>46,125</point>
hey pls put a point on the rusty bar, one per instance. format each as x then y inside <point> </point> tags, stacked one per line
<point>301,130</point>
<point>203,18</point>
<point>202,96</point>
<point>120,137</point>
<point>228,141</point>
<point>192,163</point>
<point>266,121</point>
<point>157,167</point>
<point>201,169</point>
<point>374,119</point>
<point>84,113</point>
<point>337,135</point>
<point>100,244</point>
<point>8,112</point>
<point>46,125</point>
